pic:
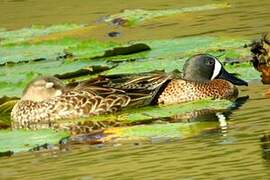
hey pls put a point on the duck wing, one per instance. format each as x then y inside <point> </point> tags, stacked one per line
<point>143,89</point>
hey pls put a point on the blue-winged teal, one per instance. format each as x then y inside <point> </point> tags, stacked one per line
<point>46,99</point>
<point>203,77</point>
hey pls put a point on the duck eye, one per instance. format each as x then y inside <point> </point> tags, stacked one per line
<point>210,62</point>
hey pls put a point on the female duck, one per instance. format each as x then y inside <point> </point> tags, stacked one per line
<point>47,99</point>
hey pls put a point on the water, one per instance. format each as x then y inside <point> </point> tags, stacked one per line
<point>245,17</point>
<point>236,154</point>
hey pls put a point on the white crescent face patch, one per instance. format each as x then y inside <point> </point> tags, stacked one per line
<point>217,69</point>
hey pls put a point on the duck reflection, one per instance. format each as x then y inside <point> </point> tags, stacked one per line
<point>265,145</point>
<point>209,114</point>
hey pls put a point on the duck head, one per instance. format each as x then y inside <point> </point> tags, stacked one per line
<point>43,88</point>
<point>204,67</point>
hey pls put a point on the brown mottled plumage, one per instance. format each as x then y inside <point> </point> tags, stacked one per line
<point>46,100</point>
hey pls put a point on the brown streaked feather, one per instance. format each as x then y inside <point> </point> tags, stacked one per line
<point>143,89</point>
<point>71,104</point>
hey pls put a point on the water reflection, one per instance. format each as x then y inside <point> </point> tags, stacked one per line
<point>209,114</point>
<point>265,145</point>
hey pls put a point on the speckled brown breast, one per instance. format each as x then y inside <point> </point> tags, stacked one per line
<point>179,90</point>
<point>72,104</point>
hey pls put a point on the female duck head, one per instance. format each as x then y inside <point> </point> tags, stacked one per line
<point>204,67</point>
<point>43,88</point>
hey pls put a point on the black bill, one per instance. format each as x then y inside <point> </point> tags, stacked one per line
<point>229,77</point>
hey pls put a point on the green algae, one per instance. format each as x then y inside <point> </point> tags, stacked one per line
<point>161,131</point>
<point>30,53</point>
<point>49,58</point>
<point>13,78</point>
<point>23,140</point>
<point>21,35</point>
<point>25,52</point>
<point>243,70</point>
<point>90,48</point>
<point>135,16</point>
<point>171,54</point>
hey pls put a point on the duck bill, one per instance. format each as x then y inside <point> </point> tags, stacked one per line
<point>229,77</point>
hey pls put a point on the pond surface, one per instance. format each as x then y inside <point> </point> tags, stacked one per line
<point>234,154</point>
<point>244,18</point>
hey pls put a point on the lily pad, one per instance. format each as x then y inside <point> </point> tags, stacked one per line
<point>23,140</point>
<point>132,49</point>
<point>171,54</point>
<point>149,114</point>
<point>13,78</point>
<point>90,48</point>
<point>25,52</point>
<point>165,55</point>
<point>243,70</point>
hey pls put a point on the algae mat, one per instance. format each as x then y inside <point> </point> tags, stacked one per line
<point>22,62</point>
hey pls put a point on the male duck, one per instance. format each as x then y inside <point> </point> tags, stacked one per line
<point>47,99</point>
<point>203,77</point>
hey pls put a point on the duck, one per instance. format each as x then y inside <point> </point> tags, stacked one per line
<point>46,99</point>
<point>203,76</point>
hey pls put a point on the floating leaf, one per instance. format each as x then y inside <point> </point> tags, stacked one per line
<point>171,54</point>
<point>165,55</point>
<point>13,78</point>
<point>149,114</point>
<point>22,140</point>
<point>90,48</point>
<point>25,52</point>
<point>131,49</point>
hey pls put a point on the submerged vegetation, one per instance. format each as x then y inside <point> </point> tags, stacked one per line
<point>135,16</point>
